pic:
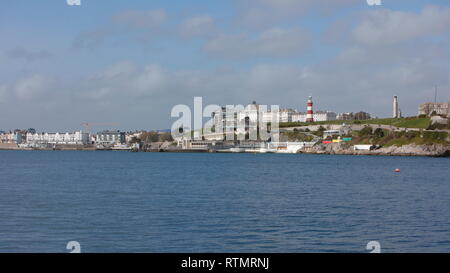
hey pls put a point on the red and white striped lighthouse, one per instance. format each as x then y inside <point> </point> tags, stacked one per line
<point>309,111</point>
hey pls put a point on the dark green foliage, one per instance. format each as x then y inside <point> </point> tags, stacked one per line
<point>366,131</point>
<point>379,133</point>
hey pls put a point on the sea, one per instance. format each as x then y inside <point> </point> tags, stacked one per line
<point>209,202</point>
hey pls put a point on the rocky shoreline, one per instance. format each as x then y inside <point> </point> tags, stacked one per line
<point>433,150</point>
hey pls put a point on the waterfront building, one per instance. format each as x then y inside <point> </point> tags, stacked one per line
<point>226,119</point>
<point>363,147</point>
<point>131,136</point>
<point>6,138</point>
<point>235,120</point>
<point>248,118</point>
<point>11,138</point>
<point>430,108</point>
<point>110,138</point>
<point>75,138</point>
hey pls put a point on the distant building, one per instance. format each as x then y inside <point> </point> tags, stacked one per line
<point>317,116</point>
<point>283,115</point>
<point>110,138</point>
<point>362,116</point>
<point>238,120</point>
<point>324,116</point>
<point>75,138</point>
<point>19,138</point>
<point>438,108</point>
<point>6,137</point>
<point>345,116</point>
<point>11,138</point>
<point>131,136</point>
<point>299,117</point>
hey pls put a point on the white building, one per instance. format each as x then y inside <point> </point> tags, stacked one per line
<point>130,136</point>
<point>283,115</point>
<point>317,116</point>
<point>75,138</point>
<point>247,119</point>
<point>324,116</point>
<point>439,108</point>
<point>237,120</point>
<point>6,138</point>
<point>110,138</point>
<point>345,116</point>
<point>363,147</point>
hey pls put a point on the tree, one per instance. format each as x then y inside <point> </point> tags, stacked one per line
<point>379,133</point>
<point>320,131</point>
<point>366,131</point>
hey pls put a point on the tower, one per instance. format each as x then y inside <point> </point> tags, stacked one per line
<point>309,110</point>
<point>395,110</point>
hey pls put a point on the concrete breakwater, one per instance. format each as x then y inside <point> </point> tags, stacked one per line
<point>433,150</point>
<point>9,146</point>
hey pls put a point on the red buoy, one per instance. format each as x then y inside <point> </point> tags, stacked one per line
<point>397,170</point>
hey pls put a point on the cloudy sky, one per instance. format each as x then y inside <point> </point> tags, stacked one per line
<point>130,62</point>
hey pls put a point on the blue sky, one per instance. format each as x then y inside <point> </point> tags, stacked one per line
<point>130,62</point>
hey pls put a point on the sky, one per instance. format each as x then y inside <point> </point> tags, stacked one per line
<point>130,62</point>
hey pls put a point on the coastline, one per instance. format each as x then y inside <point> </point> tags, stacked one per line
<point>433,150</point>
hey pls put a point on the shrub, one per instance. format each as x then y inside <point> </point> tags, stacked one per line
<point>366,131</point>
<point>435,135</point>
<point>411,134</point>
<point>379,133</point>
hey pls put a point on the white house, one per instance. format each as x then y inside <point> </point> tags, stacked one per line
<point>75,138</point>
<point>318,116</point>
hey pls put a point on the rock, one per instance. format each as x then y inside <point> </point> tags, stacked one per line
<point>405,150</point>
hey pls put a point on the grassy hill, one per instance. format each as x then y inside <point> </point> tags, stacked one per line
<point>411,122</point>
<point>387,138</point>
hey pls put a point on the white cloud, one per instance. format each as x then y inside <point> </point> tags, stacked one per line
<point>197,26</point>
<point>90,39</point>
<point>263,13</point>
<point>28,55</point>
<point>274,42</point>
<point>387,27</point>
<point>140,24</point>
<point>31,87</point>
<point>3,93</point>
<point>141,19</point>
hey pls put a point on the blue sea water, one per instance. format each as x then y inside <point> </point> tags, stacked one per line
<point>182,202</point>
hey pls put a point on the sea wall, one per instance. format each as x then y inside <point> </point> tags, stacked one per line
<point>8,146</point>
